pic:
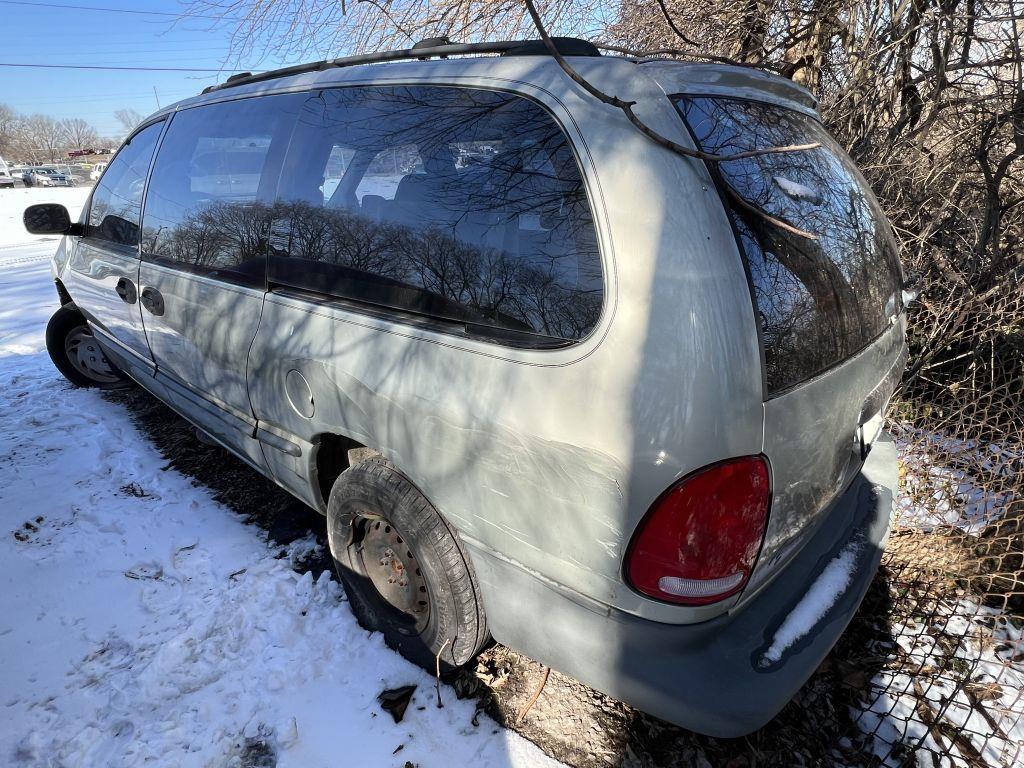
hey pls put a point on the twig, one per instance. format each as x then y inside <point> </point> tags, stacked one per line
<point>533,699</point>
<point>678,52</point>
<point>980,707</point>
<point>627,107</point>
<point>737,198</point>
<point>387,14</point>
<point>672,24</point>
<point>437,673</point>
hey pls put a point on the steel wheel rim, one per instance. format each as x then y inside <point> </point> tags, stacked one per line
<point>390,565</point>
<point>87,358</point>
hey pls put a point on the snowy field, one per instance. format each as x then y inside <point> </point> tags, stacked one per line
<point>142,623</point>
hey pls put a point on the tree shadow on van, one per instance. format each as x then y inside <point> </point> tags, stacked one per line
<point>569,721</point>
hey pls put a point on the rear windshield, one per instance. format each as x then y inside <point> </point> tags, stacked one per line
<point>819,299</point>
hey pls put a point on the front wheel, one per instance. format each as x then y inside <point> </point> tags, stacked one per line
<point>403,567</point>
<point>75,353</point>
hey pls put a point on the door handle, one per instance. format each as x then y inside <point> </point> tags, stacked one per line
<point>125,288</point>
<point>153,300</point>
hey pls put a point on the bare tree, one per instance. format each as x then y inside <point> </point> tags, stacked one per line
<point>44,137</point>
<point>333,28</point>
<point>128,118</point>
<point>80,134</point>
<point>10,130</point>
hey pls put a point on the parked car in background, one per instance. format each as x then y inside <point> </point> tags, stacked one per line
<point>47,177</point>
<point>97,171</point>
<point>550,381</point>
<point>32,177</point>
<point>6,177</point>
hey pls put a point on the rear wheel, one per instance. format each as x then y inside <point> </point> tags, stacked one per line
<point>75,353</point>
<point>403,567</point>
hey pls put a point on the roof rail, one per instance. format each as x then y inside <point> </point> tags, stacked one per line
<point>434,47</point>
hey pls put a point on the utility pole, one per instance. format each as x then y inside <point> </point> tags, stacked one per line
<point>155,96</point>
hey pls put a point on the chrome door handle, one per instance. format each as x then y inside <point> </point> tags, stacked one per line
<point>125,288</point>
<point>153,300</point>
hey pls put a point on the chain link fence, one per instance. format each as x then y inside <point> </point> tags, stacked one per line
<point>948,639</point>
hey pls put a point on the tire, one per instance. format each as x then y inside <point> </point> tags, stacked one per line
<point>75,353</point>
<point>378,522</point>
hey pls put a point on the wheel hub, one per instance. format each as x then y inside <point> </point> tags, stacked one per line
<point>86,356</point>
<point>391,566</point>
<point>394,567</point>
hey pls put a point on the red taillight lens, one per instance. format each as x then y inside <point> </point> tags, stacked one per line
<point>699,541</point>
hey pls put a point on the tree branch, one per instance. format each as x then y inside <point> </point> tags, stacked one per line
<point>627,108</point>
<point>664,141</point>
<point>680,52</point>
<point>672,24</point>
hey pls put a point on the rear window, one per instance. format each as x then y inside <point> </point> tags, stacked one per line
<point>462,205</point>
<point>819,300</point>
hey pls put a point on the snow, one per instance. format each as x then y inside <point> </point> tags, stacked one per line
<point>142,623</point>
<point>964,659</point>
<point>14,201</point>
<point>953,482</point>
<point>796,190</point>
<point>816,602</point>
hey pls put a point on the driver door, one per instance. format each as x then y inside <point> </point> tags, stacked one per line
<point>203,275</point>
<point>103,270</point>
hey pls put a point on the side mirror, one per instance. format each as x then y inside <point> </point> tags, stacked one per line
<point>47,219</point>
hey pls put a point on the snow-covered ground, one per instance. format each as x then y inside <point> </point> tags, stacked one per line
<point>960,667</point>
<point>942,485</point>
<point>142,623</point>
<point>14,201</point>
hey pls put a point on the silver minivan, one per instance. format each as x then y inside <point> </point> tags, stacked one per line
<point>551,382</point>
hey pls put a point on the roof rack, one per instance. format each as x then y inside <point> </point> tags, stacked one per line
<point>434,47</point>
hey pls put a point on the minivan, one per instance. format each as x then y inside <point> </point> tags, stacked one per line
<point>552,382</point>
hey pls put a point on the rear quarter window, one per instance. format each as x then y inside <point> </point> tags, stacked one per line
<point>820,299</point>
<point>461,205</point>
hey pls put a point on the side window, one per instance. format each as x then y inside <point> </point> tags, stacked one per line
<point>208,206</point>
<point>117,199</point>
<point>463,205</point>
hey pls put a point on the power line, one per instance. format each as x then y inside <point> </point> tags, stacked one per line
<point>130,69</point>
<point>165,14</point>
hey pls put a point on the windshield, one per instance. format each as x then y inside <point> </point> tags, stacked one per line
<point>819,298</point>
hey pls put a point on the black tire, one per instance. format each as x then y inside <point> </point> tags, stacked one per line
<point>372,501</point>
<point>67,328</point>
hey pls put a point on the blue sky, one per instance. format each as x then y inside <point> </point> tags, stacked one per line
<point>43,34</point>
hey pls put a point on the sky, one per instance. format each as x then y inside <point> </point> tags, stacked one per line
<point>117,33</point>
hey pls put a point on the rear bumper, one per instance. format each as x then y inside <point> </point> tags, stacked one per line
<point>710,677</point>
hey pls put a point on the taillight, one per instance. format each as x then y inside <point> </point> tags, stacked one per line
<point>698,543</point>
